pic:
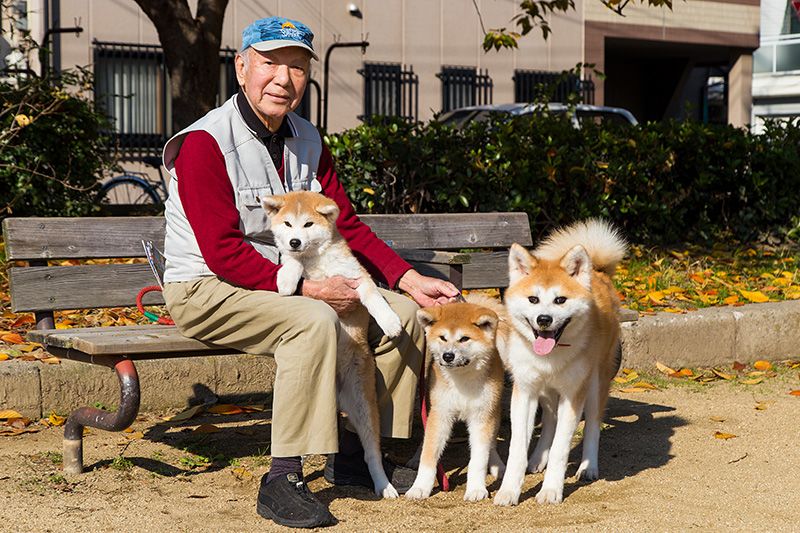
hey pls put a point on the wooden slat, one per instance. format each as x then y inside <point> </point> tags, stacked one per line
<point>121,340</point>
<point>435,256</point>
<point>105,237</point>
<point>452,231</point>
<point>486,270</point>
<point>80,287</point>
<point>80,238</point>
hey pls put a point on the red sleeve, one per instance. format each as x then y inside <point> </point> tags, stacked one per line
<point>207,197</point>
<point>376,256</point>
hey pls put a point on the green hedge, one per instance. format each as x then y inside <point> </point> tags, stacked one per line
<point>662,182</point>
<point>53,149</point>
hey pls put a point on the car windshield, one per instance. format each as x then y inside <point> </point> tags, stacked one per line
<point>600,117</point>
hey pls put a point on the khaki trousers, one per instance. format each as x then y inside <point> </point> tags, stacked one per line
<point>301,333</point>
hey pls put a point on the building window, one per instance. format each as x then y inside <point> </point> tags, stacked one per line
<point>464,86</point>
<point>390,89</point>
<point>531,85</point>
<point>132,86</point>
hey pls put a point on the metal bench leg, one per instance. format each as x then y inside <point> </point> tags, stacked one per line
<point>98,418</point>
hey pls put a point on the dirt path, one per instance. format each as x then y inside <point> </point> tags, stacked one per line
<point>663,471</point>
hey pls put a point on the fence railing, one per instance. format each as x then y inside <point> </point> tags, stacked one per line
<point>390,89</point>
<point>464,86</point>
<point>132,86</point>
<point>530,85</point>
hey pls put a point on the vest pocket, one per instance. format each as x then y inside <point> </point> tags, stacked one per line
<point>254,219</point>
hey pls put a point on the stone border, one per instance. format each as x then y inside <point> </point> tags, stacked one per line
<point>706,337</point>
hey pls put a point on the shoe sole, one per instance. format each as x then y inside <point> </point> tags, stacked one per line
<point>265,512</point>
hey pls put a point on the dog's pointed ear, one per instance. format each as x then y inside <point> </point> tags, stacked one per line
<point>329,210</point>
<point>272,204</point>
<point>578,264</point>
<point>427,317</point>
<point>487,322</point>
<point>520,263</point>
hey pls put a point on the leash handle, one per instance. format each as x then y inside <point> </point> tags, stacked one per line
<point>163,320</point>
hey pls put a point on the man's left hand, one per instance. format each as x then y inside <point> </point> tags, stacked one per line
<point>427,291</point>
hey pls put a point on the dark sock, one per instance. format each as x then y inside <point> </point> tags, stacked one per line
<point>285,465</point>
<point>349,443</point>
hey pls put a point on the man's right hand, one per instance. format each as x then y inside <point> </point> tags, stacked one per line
<point>338,292</point>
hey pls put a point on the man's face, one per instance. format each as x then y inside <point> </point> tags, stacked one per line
<point>273,81</point>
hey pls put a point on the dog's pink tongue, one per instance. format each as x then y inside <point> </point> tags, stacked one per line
<point>543,346</point>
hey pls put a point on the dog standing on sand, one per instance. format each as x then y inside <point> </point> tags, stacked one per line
<point>563,308</point>
<point>465,383</point>
<point>304,226</point>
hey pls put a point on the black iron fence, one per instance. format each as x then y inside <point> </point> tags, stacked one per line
<point>390,89</point>
<point>132,86</point>
<point>464,86</point>
<point>530,85</point>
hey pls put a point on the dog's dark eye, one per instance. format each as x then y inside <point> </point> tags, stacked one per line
<point>442,338</point>
<point>287,224</point>
<point>560,300</point>
<point>533,299</point>
<point>308,224</point>
<point>463,339</point>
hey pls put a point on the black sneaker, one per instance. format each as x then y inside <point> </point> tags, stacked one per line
<point>351,470</point>
<point>287,501</point>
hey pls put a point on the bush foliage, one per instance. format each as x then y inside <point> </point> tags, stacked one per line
<point>662,182</point>
<point>52,146</point>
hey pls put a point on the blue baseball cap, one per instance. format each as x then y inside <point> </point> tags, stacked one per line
<point>277,32</point>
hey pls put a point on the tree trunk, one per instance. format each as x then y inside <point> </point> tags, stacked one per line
<point>191,52</point>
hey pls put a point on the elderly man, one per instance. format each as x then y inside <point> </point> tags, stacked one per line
<point>221,270</point>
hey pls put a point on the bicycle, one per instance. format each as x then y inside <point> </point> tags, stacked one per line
<point>134,192</point>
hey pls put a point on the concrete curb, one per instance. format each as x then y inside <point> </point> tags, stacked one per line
<point>705,337</point>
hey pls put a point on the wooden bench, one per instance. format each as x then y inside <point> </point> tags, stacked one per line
<point>430,242</point>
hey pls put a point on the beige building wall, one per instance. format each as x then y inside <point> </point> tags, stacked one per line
<point>426,34</point>
<point>423,34</point>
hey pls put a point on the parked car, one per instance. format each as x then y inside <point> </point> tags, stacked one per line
<point>596,113</point>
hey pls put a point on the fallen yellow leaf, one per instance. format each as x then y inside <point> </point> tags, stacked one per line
<point>762,365</point>
<point>225,409</point>
<point>761,406</point>
<point>722,375</point>
<point>795,393</point>
<point>56,420</point>
<point>730,300</point>
<point>206,428</point>
<point>9,414</point>
<point>664,368</point>
<point>724,436</point>
<point>187,414</point>
<point>755,296</point>
<point>754,381</point>
<point>632,389</point>
<point>135,435</point>
<point>4,356</point>
<point>12,338</point>
<point>645,385</point>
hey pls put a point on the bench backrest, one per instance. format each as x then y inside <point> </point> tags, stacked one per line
<point>40,287</point>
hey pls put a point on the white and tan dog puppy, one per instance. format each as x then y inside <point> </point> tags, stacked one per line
<point>465,383</point>
<point>563,309</point>
<point>304,226</point>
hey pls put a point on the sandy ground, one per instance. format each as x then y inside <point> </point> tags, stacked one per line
<point>662,470</point>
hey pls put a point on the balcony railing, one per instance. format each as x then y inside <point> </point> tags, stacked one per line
<point>777,54</point>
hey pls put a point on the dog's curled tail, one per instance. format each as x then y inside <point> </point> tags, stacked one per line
<point>601,240</point>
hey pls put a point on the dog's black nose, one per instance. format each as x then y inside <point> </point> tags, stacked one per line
<point>448,357</point>
<point>544,320</point>
<point>295,243</point>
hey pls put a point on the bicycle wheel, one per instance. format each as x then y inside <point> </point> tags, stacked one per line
<point>129,195</point>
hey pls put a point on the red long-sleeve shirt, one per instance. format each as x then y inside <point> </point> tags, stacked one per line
<point>208,201</point>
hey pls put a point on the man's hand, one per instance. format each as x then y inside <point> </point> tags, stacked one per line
<point>427,291</point>
<point>338,292</point>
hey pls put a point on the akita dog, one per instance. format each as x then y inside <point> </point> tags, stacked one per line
<point>304,226</point>
<point>465,383</point>
<point>563,309</point>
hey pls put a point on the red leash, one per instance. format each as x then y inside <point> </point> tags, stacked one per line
<point>441,476</point>
<point>163,320</point>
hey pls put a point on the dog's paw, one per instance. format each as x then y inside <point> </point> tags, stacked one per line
<point>288,277</point>
<point>417,493</point>
<point>476,494</point>
<point>497,470</point>
<point>550,495</point>
<point>389,492</point>
<point>588,471</point>
<point>506,497</point>
<point>537,463</point>
<point>390,324</point>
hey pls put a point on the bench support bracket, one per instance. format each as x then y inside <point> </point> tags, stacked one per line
<point>99,418</point>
